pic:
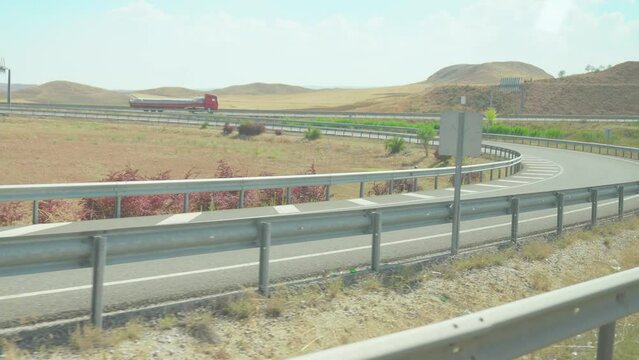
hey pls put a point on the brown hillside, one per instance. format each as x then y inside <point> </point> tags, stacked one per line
<point>65,92</point>
<point>170,92</point>
<point>486,73</point>
<point>262,89</point>
<point>609,92</point>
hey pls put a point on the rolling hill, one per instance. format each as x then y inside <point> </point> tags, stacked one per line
<point>606,92</point>
<point>262,89</point>
<point>65,92</point>
<point>486,73</point>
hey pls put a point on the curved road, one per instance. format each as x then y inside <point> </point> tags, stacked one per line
<point>49,295</point>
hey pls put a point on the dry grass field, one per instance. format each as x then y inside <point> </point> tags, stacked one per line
<point>55,151</point>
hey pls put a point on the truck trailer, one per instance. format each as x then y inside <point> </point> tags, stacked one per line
<point>206,102</point>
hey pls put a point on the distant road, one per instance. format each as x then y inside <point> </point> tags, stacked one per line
<point>336,114</point>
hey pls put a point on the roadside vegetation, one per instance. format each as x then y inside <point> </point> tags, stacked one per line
<point>626,134</point>
<point>395,145</point>
<point>312,133</point>
<point>299,319</point>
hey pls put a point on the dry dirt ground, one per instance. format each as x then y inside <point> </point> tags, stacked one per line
<point>321,315</point>
<point>54,151</point>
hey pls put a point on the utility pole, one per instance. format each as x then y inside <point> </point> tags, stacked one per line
<point>3,68</point>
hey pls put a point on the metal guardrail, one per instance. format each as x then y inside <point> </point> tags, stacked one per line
<point>597,148</point>
<point>71,250</point>
<point>510,330</point>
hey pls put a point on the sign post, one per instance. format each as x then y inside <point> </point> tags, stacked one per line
<point>460,135</point>
<point>459,157</point>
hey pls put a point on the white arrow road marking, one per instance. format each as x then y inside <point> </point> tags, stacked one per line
<point>286,209</point>
<point>179,218</point>
<point>421,196</point>
<point>363,202</point>
<point>492,185</point>
<point>31,228</point>
<point>526,177</point>
<point>462,190</point>
<point>515,181</point>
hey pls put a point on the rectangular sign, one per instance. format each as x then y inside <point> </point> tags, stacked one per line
<point>448,126</point>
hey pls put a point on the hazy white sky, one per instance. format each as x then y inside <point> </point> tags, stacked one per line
<point>135,44</point>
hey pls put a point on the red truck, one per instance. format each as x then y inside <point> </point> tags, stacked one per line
<point>206,102</point>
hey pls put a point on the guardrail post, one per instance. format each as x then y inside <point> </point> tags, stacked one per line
<point>620,191</point>
<point>436,181</point>
<point>491,174</point>
<point>606,341</point>
<point>117,212</point>
<point>377,239</point>
<point>560,213</point>
<point>265,247</point>
<point>481,176</point>
<point>414,184</point>
<point>36,212</point>
<point>499,173</point>
<point>328,192</point>
<point>514,222</point>
<point>288,195</point>
<point>390,187</point>
<point>241,201</point>
<point>97,292</point>
<point>361,189</point>
<point>185,202</point>
<point>593,213</point>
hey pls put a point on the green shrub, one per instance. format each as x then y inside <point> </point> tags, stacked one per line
<point>491,115</point>
<point>395,145</point>
<point>312,133</point>
<point>426,133</point>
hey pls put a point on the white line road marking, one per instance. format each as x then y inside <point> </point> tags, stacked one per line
<point>421,196</point>
<point>255,263</point>
<point>535,174</point>
<point>541,168</point>
<point>179,218</point>
<point>363,202</point>
<point>526,177</point>
<point>286,209</point>
<point>492,185</point>
<point>31,228</point>
<point>462,190</point>
<point>515,181</point>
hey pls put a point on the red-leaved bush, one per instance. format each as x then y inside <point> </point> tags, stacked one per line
<point>231,199</point>
<point>145,205</point>
<point>250,129</point>
<point>228,129</point>
<point>10,213</point>
<point>304,194</point>
<point>271,197</point>
<point>399,186</point>
<point>141,205</point>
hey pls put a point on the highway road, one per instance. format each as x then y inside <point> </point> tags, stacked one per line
<point>64,293</point>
